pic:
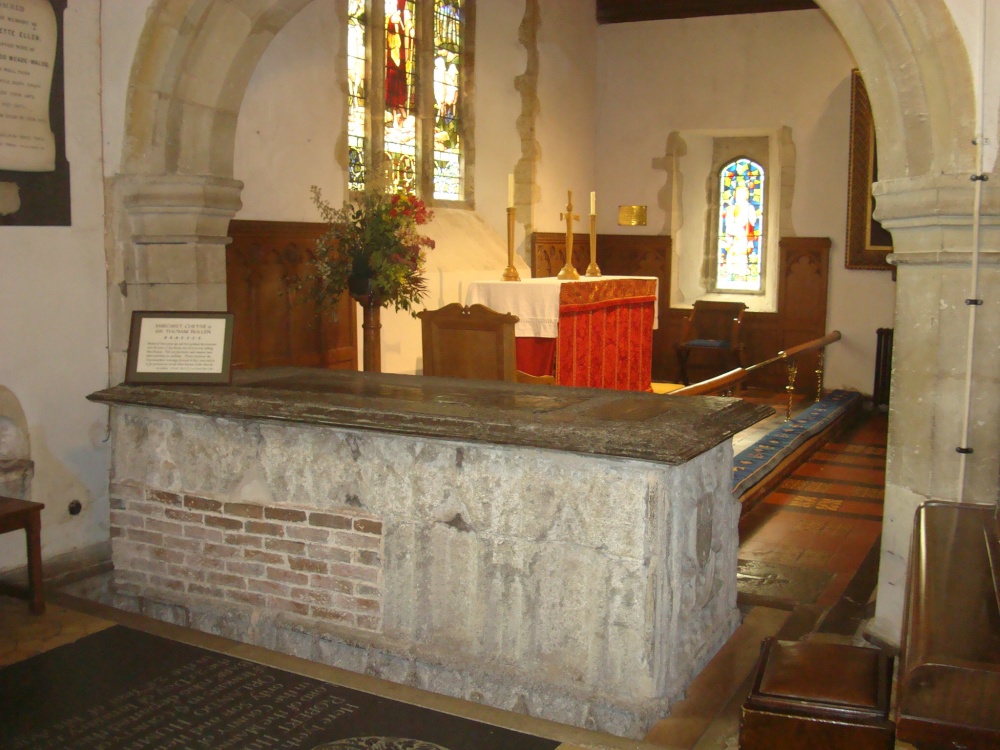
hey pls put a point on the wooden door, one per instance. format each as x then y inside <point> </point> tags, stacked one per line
<point>273,325</point>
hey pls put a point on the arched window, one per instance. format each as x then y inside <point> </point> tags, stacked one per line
<point>413,132</point>
<point>739,256</point>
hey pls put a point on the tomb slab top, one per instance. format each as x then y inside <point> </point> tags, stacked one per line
<point>623,424</point>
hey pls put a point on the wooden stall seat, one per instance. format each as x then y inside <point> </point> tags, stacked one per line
<point>818,696</point>
<point>472,342</point>
<point>23,514</point>
<point>711,327</point>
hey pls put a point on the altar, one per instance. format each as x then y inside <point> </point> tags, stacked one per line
<point>569,553</point>
<point>594,332</point>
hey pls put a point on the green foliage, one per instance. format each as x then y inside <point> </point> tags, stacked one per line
<point>371,246</point>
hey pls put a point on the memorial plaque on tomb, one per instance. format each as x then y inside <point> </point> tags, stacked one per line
<point>180,347</point>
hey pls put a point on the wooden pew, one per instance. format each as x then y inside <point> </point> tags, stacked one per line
<point>949,672</point>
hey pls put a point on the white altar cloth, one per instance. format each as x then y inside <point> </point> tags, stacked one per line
<point>535,301</point>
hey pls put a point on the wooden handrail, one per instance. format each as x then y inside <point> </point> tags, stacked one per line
<point>810,345</point>
<point>788,357</point>
<point>728,381</point>
<point>797,350</point>
<point>719,384</point>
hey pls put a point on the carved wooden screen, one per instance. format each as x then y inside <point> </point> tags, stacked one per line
<point>273,328</point>
<point>802,299</point>
<point>801,317</point>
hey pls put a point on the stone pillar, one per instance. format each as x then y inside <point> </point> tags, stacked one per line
<point>931,220</point>
<point>167,248</point>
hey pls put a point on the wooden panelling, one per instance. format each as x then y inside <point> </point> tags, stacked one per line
<point>273,326</point>
<point>801,317</point>
<point>548,252</point>
<point>802,295</point>
<point>802,299</point>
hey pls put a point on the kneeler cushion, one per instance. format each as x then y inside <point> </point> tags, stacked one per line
<point>818,695</point>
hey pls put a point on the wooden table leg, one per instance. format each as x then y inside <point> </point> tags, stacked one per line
<point>33,534</point>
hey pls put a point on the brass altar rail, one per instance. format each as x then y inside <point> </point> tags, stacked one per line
<point>788,356</point>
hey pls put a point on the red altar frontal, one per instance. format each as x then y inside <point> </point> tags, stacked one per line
<point>595,332</point>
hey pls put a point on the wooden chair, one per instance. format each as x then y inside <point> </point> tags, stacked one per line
<point>711,327</point>
<point>23,514</point>
<point>471,342</point>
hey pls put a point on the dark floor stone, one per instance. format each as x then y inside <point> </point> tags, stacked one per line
<point>779,586</point>
<point>846,616</point>
<point>125,688</point>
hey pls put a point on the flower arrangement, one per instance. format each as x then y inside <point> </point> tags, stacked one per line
<point>371,248</point>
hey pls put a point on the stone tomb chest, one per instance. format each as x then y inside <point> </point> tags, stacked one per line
<point>569,553</point>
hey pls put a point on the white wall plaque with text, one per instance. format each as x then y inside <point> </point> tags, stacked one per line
<point>28,39</point>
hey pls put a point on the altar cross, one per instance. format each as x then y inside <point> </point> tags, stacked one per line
<point>568,272</point>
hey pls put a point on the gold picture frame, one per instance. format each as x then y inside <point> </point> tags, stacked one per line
<point>868,244</point>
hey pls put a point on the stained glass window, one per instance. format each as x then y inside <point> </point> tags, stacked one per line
<point>412,104</point>
<point>357,86</point>
<point>400,111</point>
<point>739,255</point>
<point>447,64</point>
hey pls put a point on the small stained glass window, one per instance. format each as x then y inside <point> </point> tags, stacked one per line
<point>739,253</point>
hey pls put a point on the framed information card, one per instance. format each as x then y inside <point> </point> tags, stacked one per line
<point>180,347</point>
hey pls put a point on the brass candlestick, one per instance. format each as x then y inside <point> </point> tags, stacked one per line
<point>510,273</point>
<point>592,269</point>
<point>568,272</point>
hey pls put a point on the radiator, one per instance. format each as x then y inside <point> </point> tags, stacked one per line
<point>883,367</point>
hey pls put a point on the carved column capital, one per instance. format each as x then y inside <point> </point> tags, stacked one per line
<point>179,209</point>
<point>931,218</point>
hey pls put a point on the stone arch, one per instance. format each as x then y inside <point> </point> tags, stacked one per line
<point>175,191</point>
<point>194,62</point>
<point>917,73</point>
<point>196,57</point>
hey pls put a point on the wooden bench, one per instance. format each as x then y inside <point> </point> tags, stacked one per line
<point>24,514</point>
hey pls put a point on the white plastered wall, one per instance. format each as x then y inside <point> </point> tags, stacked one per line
<point>53,322</point>
<point>801,81</point>
<point>290,136</point>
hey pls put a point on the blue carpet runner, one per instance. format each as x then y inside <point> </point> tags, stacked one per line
<point>761,458</point>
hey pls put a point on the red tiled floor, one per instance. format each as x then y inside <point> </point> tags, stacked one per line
<point>828,514</point>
